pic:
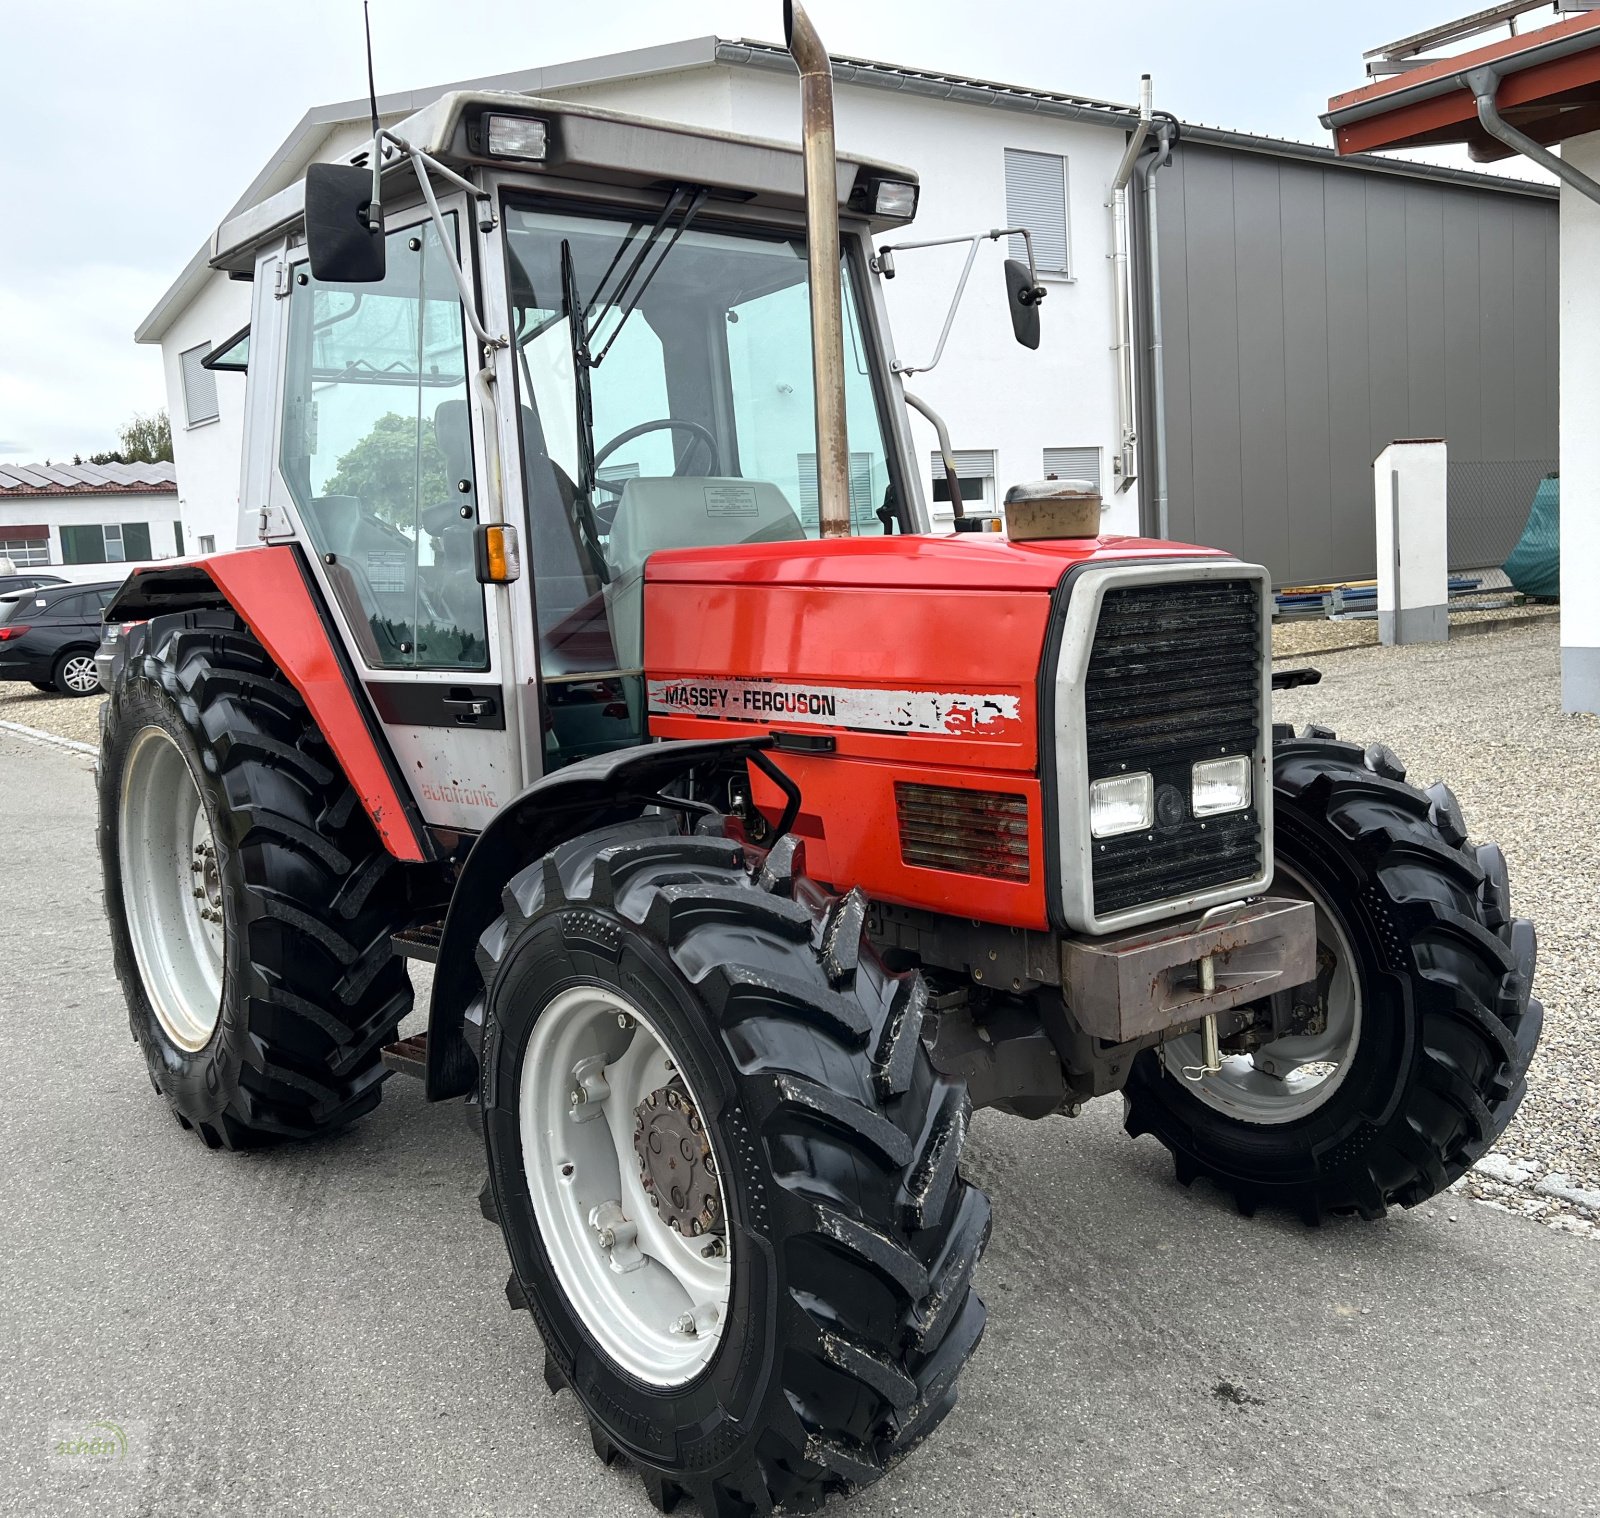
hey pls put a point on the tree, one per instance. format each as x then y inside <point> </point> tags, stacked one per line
<point>147,439</point>
<point>396,470</point>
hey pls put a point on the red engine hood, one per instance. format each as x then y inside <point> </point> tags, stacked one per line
<point>964,561</point>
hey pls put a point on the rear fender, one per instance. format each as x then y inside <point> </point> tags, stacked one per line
<point>577,799</point>
<point>272,590</point>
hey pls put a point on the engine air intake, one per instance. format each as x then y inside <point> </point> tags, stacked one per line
<point>1174,680</point>
<point>972,832</point>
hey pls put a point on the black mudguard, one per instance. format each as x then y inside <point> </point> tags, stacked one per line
<point>590,794</point>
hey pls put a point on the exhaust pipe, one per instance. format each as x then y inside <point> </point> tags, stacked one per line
<point>822,252</point>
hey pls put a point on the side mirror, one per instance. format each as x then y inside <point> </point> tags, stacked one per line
<point>343,248</point>
<point>1023,296</point>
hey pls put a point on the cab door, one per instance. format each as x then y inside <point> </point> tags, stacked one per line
<point>378,475</point>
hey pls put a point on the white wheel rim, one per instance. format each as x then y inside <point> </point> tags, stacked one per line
<point>655,1300</point>
<point>1289,1078</point>
<point>79,674</point>
<point>171,889</point>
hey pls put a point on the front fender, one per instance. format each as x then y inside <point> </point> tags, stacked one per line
<point>589,794</point>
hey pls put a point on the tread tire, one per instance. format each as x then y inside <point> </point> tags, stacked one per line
<point>854,1235</point>
<point>311,990</point>
<point>1449,1024</point>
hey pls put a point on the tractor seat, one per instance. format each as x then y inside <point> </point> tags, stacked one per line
<point>682,511</point>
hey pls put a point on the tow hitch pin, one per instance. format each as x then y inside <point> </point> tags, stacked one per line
<point>1211,1049</point>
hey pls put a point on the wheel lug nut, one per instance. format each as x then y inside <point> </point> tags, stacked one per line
<point>623,1020</point>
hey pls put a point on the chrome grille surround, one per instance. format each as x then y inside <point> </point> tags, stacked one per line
<point>1164,725</point>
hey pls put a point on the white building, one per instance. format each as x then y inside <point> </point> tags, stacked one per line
<point>56,514</point>
<point>1270,427</point>
<point>1522,94</point>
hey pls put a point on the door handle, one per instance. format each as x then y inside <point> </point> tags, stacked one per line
<point>469,708</point>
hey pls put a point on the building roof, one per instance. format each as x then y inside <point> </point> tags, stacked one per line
<point>31,480</point>
<point>1548,87</point>
<point>300,147</point>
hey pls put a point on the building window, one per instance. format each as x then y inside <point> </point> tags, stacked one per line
<point>27,548</point>
<point>199,386</point>
<point>1073,464</point>
<point>105,543</point>
<point>206,543</point>
<point>1036,198</point>
<point>975,469</point>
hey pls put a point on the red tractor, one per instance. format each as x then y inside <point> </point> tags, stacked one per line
<point>596,650</point>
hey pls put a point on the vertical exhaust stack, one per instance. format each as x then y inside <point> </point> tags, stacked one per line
<point>822,246</point>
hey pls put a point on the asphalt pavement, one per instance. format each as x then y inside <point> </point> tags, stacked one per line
<point>323,1330</point>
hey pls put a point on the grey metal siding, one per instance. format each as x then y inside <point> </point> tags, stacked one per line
<point>1312,314</point>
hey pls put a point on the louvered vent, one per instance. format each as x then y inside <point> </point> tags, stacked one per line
<point>973,832</point>
<point>1175,677</point>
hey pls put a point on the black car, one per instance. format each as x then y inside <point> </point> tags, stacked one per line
<point>25,581</point>
<point>48,635</point>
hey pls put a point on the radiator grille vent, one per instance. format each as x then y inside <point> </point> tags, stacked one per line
<point>972,832</point>
<point>1174,677</point>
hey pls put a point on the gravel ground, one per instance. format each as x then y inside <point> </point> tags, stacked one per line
<point>1484,714</point>
<point>76,717</point>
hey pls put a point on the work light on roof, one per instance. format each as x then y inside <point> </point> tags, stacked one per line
<point>517,137</point>
<point>896,198</point>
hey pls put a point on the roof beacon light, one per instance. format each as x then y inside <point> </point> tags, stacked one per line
<point>896,199</point>
<point>517,137</point>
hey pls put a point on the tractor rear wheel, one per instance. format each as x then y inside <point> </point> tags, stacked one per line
<point>1410,1058</point>
<point>249,898</point>
<point>725,1168</point>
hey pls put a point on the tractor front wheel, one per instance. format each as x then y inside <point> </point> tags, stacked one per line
<point>725,1168</point>
<point>249,898</point>
<point>1407,1056</point>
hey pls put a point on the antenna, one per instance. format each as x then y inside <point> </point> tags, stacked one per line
<point>372,88</point>
<point>375,209</point>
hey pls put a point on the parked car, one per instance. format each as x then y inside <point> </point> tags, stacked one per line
<point>27,581</point>
<point>48,636</point>
<point>105,659</point>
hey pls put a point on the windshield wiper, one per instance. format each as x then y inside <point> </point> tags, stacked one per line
<point>583,494</point>
<point>696,199</point>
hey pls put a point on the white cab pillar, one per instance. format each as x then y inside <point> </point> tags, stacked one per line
<point>1580,435</point>
<point>1410,494</point>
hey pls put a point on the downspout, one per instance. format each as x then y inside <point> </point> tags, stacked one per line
<point>1126,466</point>
<point>822,255</point>
<point>1485,84</point>
<point>1166,135</point>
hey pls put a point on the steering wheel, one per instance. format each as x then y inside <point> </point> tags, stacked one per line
<point>661,424</point>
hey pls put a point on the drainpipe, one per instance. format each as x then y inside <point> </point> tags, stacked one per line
<point>822,254</point>
<point>1166,135</point>
<point>1122,291</point>
<point>1485,84</point>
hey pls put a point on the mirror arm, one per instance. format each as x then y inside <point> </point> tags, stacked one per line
<point>487,220</point>
<point>883,263</point>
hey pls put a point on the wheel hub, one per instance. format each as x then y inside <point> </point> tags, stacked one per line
<point>676,1167</point>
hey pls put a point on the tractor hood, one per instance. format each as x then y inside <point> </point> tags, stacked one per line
<point>971,561</point>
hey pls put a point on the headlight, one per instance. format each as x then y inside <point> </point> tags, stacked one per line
<point>896,199</point>
<point>1121,804</point>
<point>517,137</point>
<point>1221,785</point>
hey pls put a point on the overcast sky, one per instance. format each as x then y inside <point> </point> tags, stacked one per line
<point>127,130</point>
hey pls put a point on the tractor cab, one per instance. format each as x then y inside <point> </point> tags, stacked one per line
<point>579,339</point>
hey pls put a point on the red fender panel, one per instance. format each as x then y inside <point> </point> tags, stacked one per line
<point>268,587</point>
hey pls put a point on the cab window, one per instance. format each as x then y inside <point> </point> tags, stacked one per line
<point>377,453</point>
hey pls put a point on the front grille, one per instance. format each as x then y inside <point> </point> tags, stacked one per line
<point>1174,677</point>
<point>974,832</point>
